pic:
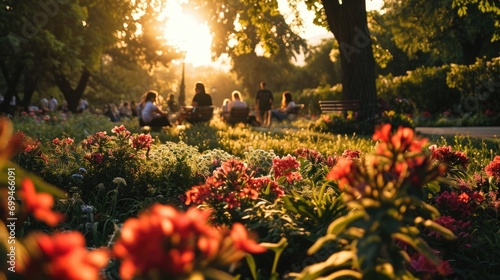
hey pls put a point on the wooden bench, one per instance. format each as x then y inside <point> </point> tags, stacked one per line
<point>339,106</point>
<point>237,115</point>
<point>197,114</point>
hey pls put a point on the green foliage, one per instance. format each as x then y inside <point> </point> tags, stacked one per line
<point>444,35</point>
<point>485,6</point>
<point>387,207</point>
<point>46,128</point>
<point>425,87</point>
<point>479,87</point>
<point>98,200</point>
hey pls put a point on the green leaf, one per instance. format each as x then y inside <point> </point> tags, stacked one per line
<point>446,233</point>
<point>420,245</point>
<point>335,262</point>
<point>341,223</point>
<point>251,265</point>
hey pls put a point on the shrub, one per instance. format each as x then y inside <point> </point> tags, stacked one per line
<point>423,89</point>
<point>479,87</point>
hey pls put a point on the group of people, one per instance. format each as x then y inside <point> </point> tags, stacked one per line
<point>263,105</point>
<point>150,114</point>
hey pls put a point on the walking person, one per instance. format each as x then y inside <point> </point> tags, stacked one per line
<point>263,103</point>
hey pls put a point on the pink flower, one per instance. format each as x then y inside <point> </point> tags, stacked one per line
<point>143,141</point>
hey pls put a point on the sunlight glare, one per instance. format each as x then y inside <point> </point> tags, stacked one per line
<point>189,35</point>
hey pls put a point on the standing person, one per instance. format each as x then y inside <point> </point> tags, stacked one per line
<point>52,103</point>
<point>287,104</point>
<point>149,113</point>
<point>263,103</point>
<point>201,98</point>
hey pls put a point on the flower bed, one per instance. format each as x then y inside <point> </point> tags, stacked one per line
<point>136,207</point>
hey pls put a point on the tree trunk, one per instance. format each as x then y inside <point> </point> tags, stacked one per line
<point>12,81</point>
<point>72,96</point>
<point>349,25</point>
<point>30,82</point>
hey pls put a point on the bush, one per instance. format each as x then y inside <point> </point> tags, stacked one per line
<point>423,89</point>
<point>479,87</point>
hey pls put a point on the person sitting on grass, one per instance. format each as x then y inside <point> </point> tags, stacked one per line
<point>287,104</point>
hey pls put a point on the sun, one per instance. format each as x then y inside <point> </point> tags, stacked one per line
<point>189,35</point>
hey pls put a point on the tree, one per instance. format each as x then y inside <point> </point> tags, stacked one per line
<point>66,41</point>
<point>491,7</point>
<point>322,63</point>
<point>428,27</point>
<point>231,21</point>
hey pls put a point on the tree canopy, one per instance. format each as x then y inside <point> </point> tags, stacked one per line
<point>68,41</point>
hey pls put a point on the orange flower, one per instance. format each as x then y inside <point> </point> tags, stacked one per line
<point>165,240</point>
<point>341,171</point>
<point>242,242</point>
<point>40,205</point>
<point>173,245</point>
<point>64,256</point>
<point>9,143</point>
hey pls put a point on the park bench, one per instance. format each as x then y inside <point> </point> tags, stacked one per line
<point>237,115</point>
<point>339,106</point>
<point>197,114</point>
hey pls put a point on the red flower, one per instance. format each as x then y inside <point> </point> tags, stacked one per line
<point>287,167</point>
<point>383,133</point>
<point>341,171</point>
<point>446,155</point>
<point>176,244</point>
<point>64,256</point>
<point>242,242</point>
<point>350,154</point>
<point>493,168</point>
<point>40,205</point>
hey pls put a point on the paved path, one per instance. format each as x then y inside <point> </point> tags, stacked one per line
<point>476,131</point>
